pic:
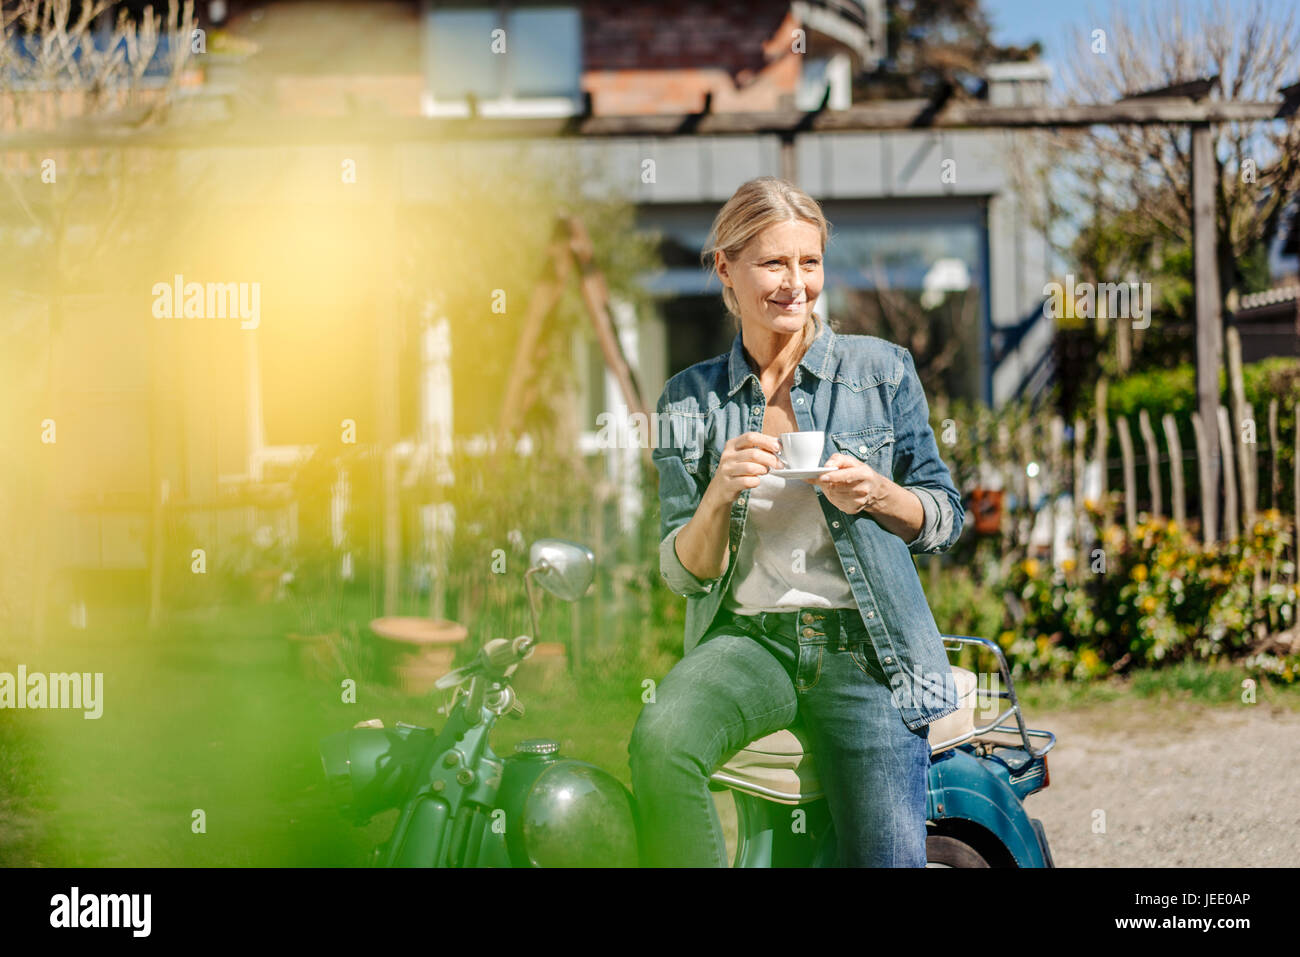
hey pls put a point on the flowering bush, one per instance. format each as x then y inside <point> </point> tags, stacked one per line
<point>1152,597</point>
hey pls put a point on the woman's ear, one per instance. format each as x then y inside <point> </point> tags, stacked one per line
<point>720,266</point>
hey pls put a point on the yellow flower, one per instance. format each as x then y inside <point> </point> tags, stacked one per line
<point>1089,658</point>
<point>1149,604</point>
<point>1006,638</point>
<point>1139,573</point>
<point>1030,566</point>
<point>1041,643</point>
<point>1068,564</point>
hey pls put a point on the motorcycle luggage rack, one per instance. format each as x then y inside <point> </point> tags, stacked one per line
<point>997,723</point>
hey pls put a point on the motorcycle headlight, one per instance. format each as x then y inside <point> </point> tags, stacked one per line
<point>370,769</point>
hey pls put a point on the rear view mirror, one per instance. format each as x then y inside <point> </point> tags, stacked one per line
<point>565,569</point>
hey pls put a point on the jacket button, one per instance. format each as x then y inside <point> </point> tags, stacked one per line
<point>733,546</point>
<point>807,617</point>
<point>807,632</point>
<point>888,660</point>
<point>862,449</point>
<point>852,569</point>
<point>835,524</point>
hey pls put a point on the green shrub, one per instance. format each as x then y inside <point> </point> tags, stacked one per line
<point>1153,598</point>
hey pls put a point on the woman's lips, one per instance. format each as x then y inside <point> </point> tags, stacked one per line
<point>790,305</point>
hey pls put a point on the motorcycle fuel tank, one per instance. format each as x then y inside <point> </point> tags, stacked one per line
<point>562,812</point>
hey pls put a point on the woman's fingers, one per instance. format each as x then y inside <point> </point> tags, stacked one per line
<point>757,447</point>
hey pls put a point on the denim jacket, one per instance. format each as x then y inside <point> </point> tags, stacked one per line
<point>864,393</point>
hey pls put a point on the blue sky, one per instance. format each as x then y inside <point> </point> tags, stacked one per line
<point>1022,21</point>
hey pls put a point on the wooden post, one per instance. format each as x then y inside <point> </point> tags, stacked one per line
<point>1010,523</point>
<point>1209,331</point>
<point>1055,457</point>
<point>1153,461</point>
<point>1229,479</point>
<point>1274,489</point>
<point>1103,438</point>
<point>1208,490</point>
<point>1295,501</point>
<point>1080,438</point>
<point>1247,443</point>
<point>1130,479</point>
<point>1243,420</point>
<point>1175,446</point>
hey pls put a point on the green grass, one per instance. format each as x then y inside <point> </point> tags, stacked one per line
<point>208,713</point>
<point>1187,682</point>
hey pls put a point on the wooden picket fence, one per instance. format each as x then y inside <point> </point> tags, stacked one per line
<point>1159,475</point>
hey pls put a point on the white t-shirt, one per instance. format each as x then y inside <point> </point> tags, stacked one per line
<point>786,559</point>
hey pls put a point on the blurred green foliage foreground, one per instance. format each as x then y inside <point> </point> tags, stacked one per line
<point>212,714</point>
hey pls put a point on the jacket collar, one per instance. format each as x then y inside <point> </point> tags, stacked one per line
<point>816,358</point>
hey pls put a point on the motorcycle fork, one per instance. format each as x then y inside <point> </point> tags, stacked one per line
<point>440,820</point>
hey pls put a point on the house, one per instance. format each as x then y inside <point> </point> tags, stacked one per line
<point>929,217</point>
<point>932,215</point>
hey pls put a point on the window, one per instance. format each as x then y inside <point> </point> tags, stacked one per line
<point>539,72</point>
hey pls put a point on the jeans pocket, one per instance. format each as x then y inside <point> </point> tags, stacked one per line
<point>864,656</point>
<point>809,670</point>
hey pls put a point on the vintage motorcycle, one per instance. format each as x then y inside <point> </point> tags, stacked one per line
<point>462,805</point>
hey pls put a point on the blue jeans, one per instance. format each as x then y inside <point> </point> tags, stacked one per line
<point>750,676</point>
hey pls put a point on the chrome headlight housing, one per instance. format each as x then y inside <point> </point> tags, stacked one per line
<point>371,769</point>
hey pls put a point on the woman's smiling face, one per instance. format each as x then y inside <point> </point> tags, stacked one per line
<point>777,276</point>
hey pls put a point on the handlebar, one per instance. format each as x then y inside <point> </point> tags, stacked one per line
<point>497,659</point>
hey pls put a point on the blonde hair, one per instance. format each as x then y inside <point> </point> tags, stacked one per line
<point>756,205</point>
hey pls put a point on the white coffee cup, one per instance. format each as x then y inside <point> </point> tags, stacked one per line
<point>802,450</point>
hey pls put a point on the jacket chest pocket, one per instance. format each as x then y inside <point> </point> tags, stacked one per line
<point>875,446</point>
<point>701,463</point>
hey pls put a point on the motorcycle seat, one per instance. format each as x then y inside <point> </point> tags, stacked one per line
<point>780,766</point>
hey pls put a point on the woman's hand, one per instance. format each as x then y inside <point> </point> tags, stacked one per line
<point>856,487</point>
<point>745,460</point>
<point>853,487</point>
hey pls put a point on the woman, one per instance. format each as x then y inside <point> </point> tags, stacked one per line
<point>802,597</point>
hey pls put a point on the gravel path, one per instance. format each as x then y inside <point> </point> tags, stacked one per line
<point>1181,786</point>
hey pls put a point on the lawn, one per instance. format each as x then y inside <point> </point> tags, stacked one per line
<point>208,713</point>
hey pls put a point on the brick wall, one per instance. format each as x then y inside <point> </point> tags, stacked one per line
<point>663,57</point>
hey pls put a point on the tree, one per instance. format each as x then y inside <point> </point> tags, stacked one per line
<point>1134,182</point>
<point>68,68</point>
<point>936,45</point>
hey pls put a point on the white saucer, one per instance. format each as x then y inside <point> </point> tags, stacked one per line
<point>801,473</point>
